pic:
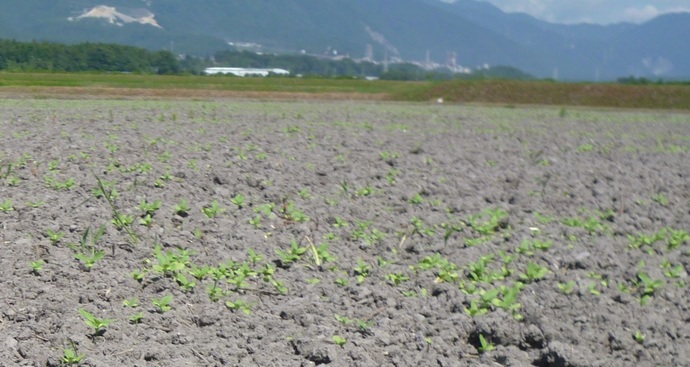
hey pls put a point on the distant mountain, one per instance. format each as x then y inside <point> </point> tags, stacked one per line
<point>471,33</point>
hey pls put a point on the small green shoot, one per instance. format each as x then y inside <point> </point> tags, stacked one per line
<point>534,272</point>
<point>131,302</point>
<point>54,237</point>
<point>136,318</point>
<point>484,345</point>
<point>36,266</point>
<point>238,200</point>
<point>397,278</point>
<point>163,303</point>
<point>149,208</point>
<point>98,325</point>
<point>6,206</point>
<point>182,209</point>
<point>648,286</point>
<point>90,259</point>
<point>567,288</point>
<point>239,305</point>
<point>294,254</point>
<point>361,271</point>
<point>213,210</point>
<point>639,337</point>
<point>661,199</point>
<point>71,356</point>
<point>339,340</point>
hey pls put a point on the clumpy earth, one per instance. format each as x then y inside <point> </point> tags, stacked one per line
<point>239,233</point>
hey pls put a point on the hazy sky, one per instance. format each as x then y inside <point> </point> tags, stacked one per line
<point>592,11</point>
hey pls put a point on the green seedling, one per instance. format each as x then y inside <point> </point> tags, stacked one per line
<point>339,340</point>
<point>108,194</point>
<point>567,288</point>
<point>182,209</point>
<point>256,221</point>
<point>420,228</point>
<point>122,221</point>
<point>392,175</point>
<point>344,320</point>
<point>450,229</point>
<point>339,222</point>
<point>343,282</point>
<point>98,325</point>
<point>648,286</point>
<point>361,271</point>
<point>149,209</point>
<point>320,253</point>
<point>484,345</point>
<point>677,238</point>
<point>240,305</point>
<point>36,266</point>
<point>70,356</point>
<point>292,214</point>
<point>215,293</point>
<point>592,287</point>
<point>138,275</point>
<point>213,210</point>
<point>186,284</point>
<point>661,199</point>
<point>136,318</point>
<point>646,240</point>
<point>13,181</point>
<point>639,337</point>
<point>363,326</point>
<point>509,302</point>
<point>488,221</point>
<point>237,275</point>
<point>479,270</point>
<point>304,194</point>
<point>585,148</point>
<point>90,259</point>
<point>163,303</point>
<point>164,157</point>
<point>528,247</point>
<point>294,254</point>
<point>476,309</point>
<point>35,204</point>
<point>238,200</point>
<point>6,206</point>
<point>534,272</point>
<point>416,199</point>
<point>54,237</point>
<point>397,278</point>
<point>170,262</point>
<point>674,272</point>
<point>199,273</point>
<point>365,191</point>
<point>253,257</point>
<point>147,220</point>
<point>364,232</point>
<point>132,302</point>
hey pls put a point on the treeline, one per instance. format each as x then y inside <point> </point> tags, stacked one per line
<point>46,56</point>
<point>298,64</point>
<point>100,57</point>
<point>308,65</point>
<point>644,81</point>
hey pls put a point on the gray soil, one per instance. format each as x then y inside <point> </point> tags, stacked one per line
<point>413,226</point>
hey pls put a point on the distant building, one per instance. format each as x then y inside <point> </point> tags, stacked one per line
<point>245,71</point>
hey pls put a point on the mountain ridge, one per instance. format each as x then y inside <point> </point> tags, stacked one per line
<point>466,33</point>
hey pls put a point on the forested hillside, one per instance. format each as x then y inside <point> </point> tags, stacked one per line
<point>45,56</point>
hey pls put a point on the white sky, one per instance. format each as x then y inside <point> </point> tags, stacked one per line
<point>592,11</point>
